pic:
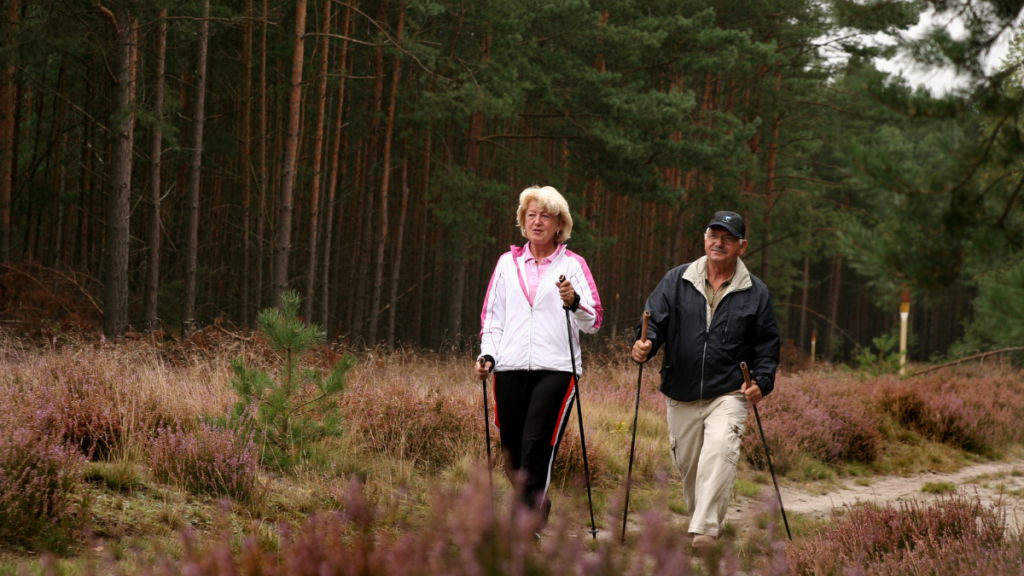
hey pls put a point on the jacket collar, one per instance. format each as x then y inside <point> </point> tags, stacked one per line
<point>521,251</point>
<point>697,273</point>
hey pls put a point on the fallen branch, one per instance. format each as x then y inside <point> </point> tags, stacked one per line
<point>975,357</point>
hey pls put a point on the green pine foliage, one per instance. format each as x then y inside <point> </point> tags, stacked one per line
<point>295,405</point>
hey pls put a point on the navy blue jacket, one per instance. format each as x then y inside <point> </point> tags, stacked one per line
<point>702,361</point>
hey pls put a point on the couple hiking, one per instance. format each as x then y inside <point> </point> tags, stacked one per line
<point>708,316</point>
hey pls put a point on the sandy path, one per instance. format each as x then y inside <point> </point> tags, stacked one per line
<point>993,483</point>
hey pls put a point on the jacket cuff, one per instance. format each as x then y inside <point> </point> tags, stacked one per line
<point>575,304</point>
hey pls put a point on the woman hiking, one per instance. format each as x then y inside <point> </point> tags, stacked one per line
<point>523,340</point>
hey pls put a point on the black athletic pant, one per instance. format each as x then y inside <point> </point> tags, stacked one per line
<point>532,408</point>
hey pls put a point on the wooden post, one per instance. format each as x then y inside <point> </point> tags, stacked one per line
<point>814,343</point>
<point>904,316</point>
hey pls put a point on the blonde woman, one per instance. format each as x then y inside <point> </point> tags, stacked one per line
<point>523,339</point>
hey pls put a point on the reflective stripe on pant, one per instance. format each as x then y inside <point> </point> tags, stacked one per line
<point>705,436</point>
<point>533,408</point>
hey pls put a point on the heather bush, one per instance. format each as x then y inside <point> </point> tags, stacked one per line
<point>39,476</point>
<point>432,428</point>
<point>569,462</point>
<point>207,460</point>
<point>953,536</point>
<point>977,414</point>
<point>295,407</point>
<point>465,534</point>
<point>812,415</point>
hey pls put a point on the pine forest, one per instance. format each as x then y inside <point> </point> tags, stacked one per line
<point>168,166</point>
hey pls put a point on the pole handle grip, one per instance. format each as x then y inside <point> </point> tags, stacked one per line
<point>561,278</point>
<point>746,373</point>
<point>643,327</point>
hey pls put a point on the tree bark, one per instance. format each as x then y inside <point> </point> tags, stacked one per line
<point>803,302</point>
<point>155,168</point>
<point>769,188</point>
<point>58,141</point>
<point>332,181</point>
<point>318,146</point>
<point>837,282</point>
<point>284,219</point>
<point>245,163</point>
<point>369,198</point>
<point>393,300</point>
<point>261,207</point>
<point>8,105</point>
<point>416,323</point>
<point>389,131</point>
<point>115,293</point>
<point>195,176</point>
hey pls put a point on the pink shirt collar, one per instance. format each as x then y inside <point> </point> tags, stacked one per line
<point>535,269</point>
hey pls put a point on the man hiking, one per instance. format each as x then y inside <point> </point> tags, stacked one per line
<point>709,316</point>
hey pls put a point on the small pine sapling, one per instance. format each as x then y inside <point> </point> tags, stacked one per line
<point>291,406</point>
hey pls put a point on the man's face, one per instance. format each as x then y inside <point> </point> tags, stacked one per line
<point>722,247</point>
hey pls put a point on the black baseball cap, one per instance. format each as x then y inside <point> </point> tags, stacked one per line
<point>731,221</point>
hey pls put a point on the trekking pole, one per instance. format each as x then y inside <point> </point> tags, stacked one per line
<point>579,412</point>
<point>636,414</point>
<point>746,381</point>
<point>487,429</point>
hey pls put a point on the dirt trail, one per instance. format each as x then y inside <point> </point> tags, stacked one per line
<point>992,482</point>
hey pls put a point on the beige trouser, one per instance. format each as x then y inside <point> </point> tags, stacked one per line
<point>705,439</point>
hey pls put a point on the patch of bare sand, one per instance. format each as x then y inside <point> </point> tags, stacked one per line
<point>994,483</point>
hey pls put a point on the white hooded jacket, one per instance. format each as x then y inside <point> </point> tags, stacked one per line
<point>524,334</point>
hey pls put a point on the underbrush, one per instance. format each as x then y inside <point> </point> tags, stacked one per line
<point>39,479</point>
<point>953,536</point>
<point>209,460</point>
<point>413,423</point>
<point>981,415</point>
<point>823,418</point>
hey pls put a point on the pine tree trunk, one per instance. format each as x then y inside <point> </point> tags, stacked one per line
<point>458,288</point>
<point>155,168</point>
<point>318,145</point>
<point>261,207</point>
<point>393,301</point>
<point>58,141</point>
<point>284,218</point>
<point>769,189</point>
<point>837,283</point>
<point>245,163</point>
<point>8,105</point>
<point>332,181</point>
<point>803,302</point>
<point>416,323</point>
<point>369,198</point>
<point>769,199</point>
<point>389,131</point>
<point>195,177</point>
<point>115,293</point>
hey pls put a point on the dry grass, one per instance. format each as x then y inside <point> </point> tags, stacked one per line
<point>414,422</point>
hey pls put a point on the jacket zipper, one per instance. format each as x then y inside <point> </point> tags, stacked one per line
<point>704,356</point>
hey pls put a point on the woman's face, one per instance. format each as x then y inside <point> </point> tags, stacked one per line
<point>540,225</point>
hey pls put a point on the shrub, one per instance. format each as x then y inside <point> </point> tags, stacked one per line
<point>977,414</point>
<point>433,429</point>
<point>569,462</point>
<point>39,476</point>
<point>465,534</point>
<point>814,416</point>
<point>952,536</point>
<point>207,460</point>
